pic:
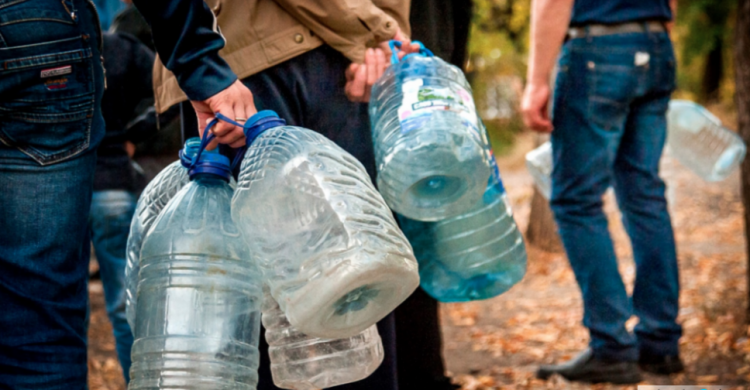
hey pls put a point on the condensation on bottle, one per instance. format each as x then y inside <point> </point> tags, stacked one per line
<point>302,362</point>
<point>329,247</point>
<point>429,147</point>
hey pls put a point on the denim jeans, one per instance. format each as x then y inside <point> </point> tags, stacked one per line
<point>111,212</point>
<point>51,82</point>
<point>609,122</point>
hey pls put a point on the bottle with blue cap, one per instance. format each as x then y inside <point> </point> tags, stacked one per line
<point>329,248</point>
<point>152,200</point>
<point>199,291</point>
<point>476,255</point>
<point>700,142</point>
<point>430,150</point>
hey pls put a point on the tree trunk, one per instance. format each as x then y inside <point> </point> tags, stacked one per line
<point>742,74</point>
<point>713,72</point>
<point>542,229</point>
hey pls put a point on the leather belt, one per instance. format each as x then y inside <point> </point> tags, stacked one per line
<point>598,30</point>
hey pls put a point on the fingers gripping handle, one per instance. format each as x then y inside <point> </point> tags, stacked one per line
<point>396,47</point>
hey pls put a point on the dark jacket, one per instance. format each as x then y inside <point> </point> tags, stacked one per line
<point>188,43</point>
<point>129,65</point>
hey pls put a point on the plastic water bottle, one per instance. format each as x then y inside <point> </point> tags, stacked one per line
<point>302,362</point>
<point>699,141</point>
<point>328,246</point>
<point>153,199</point>
<point>429,146</point>
<point>477,255</point>
<point>539,164</point>
<point>199,292</point>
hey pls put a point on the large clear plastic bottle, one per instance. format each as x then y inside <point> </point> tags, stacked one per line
<point>153,199</point>
<point>199,292</point>
<point>539,164</point>
<point>329,248</point>
<point>699,141</point>
<point>302,362</point>
<point>429,147</point>
<point>477,255</point>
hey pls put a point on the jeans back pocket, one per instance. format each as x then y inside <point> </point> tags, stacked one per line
<point>47,98</point>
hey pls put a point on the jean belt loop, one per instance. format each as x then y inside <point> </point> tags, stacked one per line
<point>647,30</point>
<point>589,38</point>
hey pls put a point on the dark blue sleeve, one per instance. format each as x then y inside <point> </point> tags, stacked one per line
<point>188,44</point>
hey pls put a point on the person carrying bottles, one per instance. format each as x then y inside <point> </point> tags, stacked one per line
<point>616,75</point>
<point>52,83</point>
<point>312,62</point>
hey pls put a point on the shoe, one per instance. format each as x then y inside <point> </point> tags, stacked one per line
<point>587,368</point>
<point>660,364</point>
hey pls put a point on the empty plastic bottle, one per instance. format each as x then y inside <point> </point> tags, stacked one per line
<point>302,362</point>
<point>477,255</point>
<point>329,248</point>
<point>699,141</point>
<point>539,164</point>
<point>429,147</point>
<point>199,292</point>
<point>153,199</point>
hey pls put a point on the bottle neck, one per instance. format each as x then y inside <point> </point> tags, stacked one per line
<point>208,179</point>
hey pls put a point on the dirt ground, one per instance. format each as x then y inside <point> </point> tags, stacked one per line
<point>498,343</point>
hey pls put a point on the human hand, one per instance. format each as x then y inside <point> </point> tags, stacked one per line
<point>235,102</point>
<point>534,107</point>
<point>130,148</point>
<point>361,77</point>
<point>406,46</point>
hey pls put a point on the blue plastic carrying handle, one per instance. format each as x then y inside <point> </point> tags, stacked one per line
<point>394,45</point>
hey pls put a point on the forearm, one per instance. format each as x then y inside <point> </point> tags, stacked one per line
<point>549,25</point>
<point>188,45</point>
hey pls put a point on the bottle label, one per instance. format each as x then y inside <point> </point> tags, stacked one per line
<point>495,179</point>
<point>420,101</point>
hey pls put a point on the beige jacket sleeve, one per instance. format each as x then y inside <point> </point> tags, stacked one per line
<point>351,26</point>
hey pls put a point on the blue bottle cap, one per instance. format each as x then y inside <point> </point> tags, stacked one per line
<point>261,122</point>
<point>187,153</point>
<point>213,163</point>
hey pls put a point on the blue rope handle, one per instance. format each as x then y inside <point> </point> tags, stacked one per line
<point>394,45</point>
<point>249,137</point>
<point>205,140</point>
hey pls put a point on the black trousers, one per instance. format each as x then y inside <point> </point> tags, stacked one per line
<point>308,91</point>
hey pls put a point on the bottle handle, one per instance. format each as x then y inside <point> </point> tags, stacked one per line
<point>396,47</point>
<point>251,133</point>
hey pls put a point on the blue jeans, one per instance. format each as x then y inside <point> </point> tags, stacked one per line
<point>51,83</point>
<point>610,101</point>
<point>111,212</point>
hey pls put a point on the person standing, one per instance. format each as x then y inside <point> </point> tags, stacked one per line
<point>616,75</point>
<point>51,84</point>
<point>314,63</point>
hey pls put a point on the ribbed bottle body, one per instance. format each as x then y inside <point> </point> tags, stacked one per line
<point>153,199</point>
<point>477,255</point>
<point>302,362</point>
<point>699,141</point>
<point>199,297</point>
<point>429,146</point>
<point>328,245</point>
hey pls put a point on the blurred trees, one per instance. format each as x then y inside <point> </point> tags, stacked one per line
<point>703,36</point>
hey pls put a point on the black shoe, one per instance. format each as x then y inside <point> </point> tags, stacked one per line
<point>587,368</point>
<point>660,364</point>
